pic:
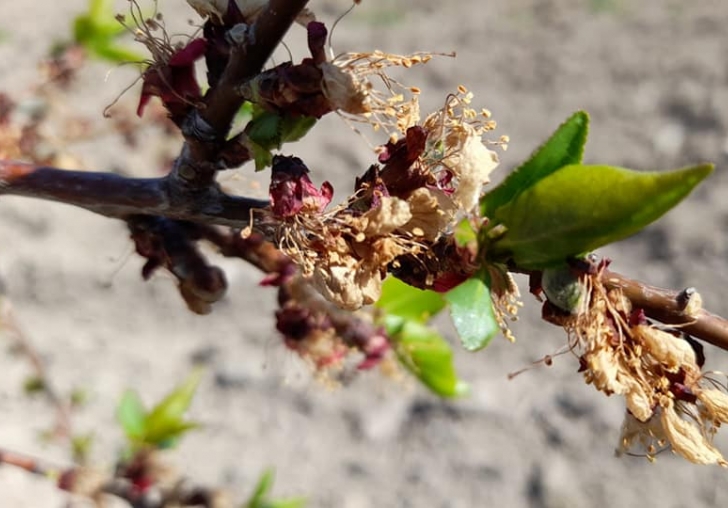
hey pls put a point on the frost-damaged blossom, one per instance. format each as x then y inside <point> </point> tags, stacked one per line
<point>670,401</point>
<point>427,180</point>
<point>325,335</point>
<point>351,84</point>
<point>456,149</point>
<point>170,74</point>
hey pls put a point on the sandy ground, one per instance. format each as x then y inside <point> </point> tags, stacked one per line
<point>654,76</point>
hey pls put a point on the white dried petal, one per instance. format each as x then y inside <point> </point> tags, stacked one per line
<point>472,164</point>
<point>672,352</point>
<point>716,402</point>
<point>687,440</point>
<point>604,369</point>
<point>639,402</point>
<point>634,432</point>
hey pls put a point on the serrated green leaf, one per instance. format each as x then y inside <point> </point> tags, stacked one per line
<point>401,299</point>
<point>166,419</point>
<point>580,208</point>
<point>132,416</point>
<point>428,357</point>
<point>265,129</point>
<point>294,128</point>
<point>564,147</point>
<point>263,158</point>
<point>471,309</point>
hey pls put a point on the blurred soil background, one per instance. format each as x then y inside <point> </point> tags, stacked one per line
<point>653,74</point>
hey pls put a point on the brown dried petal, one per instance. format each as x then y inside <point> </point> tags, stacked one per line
<point>432,211</point>
<point>343,90</point>
<point>392,213</point>
<point>346,285</point>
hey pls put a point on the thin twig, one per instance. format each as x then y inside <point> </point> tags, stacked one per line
<point>669,307</point>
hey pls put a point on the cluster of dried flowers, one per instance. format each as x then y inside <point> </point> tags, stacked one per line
<point>429,176</point>
<point>671,402</point>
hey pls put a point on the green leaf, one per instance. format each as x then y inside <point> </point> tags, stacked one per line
<point>464,234</point>
<point>268,131</point>
<point>564,147</point>
<point>409,302</point>
<point>265,483</point>
<point>97,30</point>
<point>115,53</point>
<point>264,130</point>
<point>166,420</point>
<point>262,157</point>
<point>428,357</point>
<point>580,208</point>
<point>132,416</point>
<point>294,128</point>
<point>471,309</point>
<point>259,498</point>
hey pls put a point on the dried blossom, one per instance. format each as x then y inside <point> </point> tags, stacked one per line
<point>656,371</point>
<point>323,334</point>
<point>456,148</point>
<point>170,74</point>
<point>350,83</point>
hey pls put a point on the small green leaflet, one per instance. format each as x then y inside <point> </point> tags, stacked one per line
<point>580,208</point>
<point>419,348</point>
<point>269,131</point>
<point>132,416</point>
<point>471,309</point>
<point>259,498</point>
<point>161,426</point>
<point>405,301</point>
<point>564,147</point>
<point>427,356</point>
<point>98,32</point>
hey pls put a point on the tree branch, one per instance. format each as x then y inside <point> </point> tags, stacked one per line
<point>121,197</point>
<point>672,307</point>
<point>207,129</point>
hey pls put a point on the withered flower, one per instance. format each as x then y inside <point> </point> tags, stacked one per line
<point>670,401</point>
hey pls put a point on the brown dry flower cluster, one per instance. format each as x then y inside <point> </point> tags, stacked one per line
<point>670,402</point>
<point>441,165</point>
